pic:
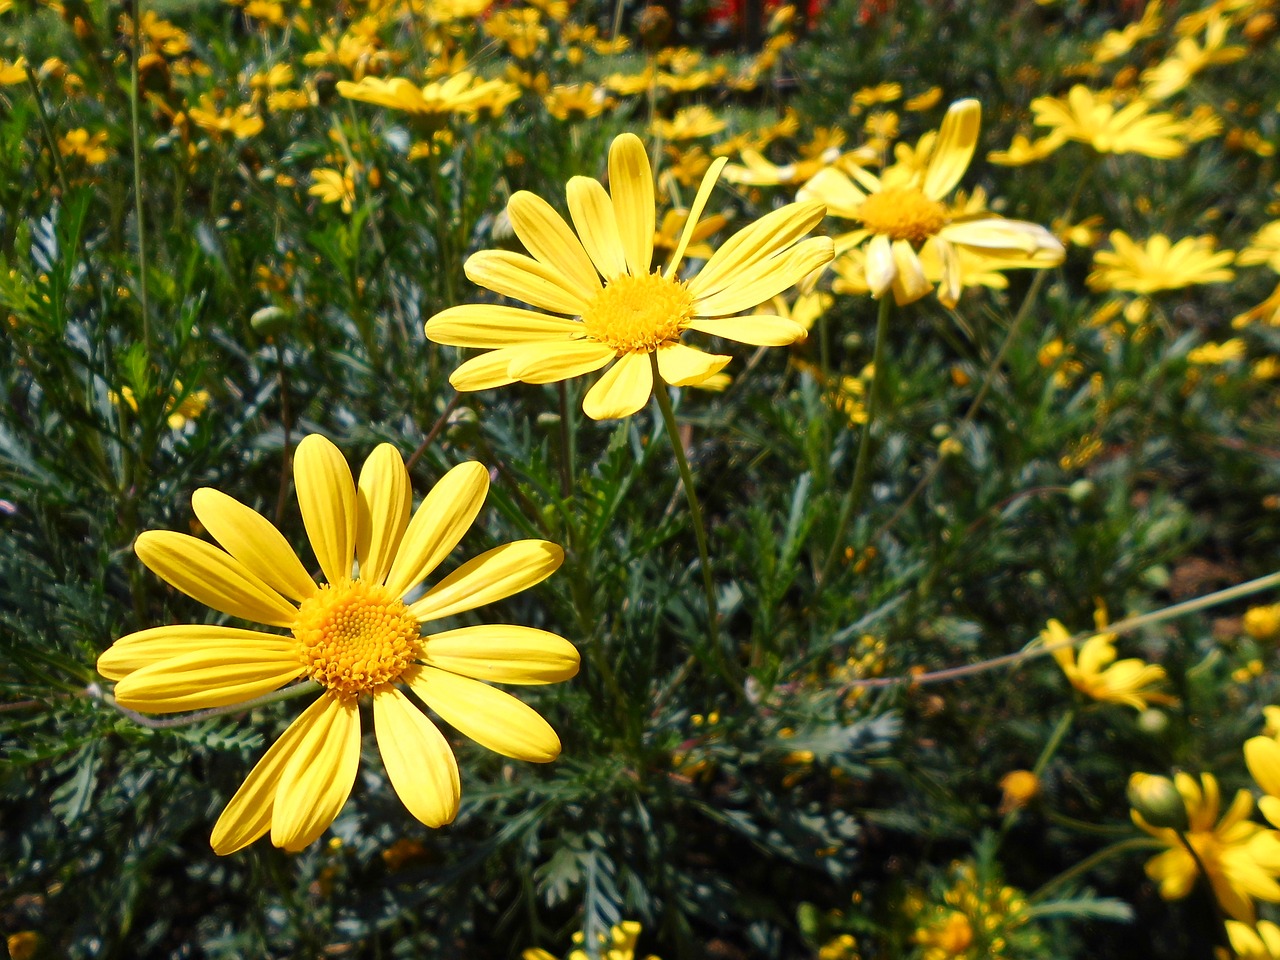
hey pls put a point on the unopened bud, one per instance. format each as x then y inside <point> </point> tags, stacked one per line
<point>270,321</point>
<point>1158,801</point>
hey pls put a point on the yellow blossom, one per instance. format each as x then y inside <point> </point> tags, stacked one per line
<point>1117,43</point>
<point>923,101</point>
<point>1241,859</point>
<point>1254,943</point>
<point>1093,119</point>
<point>1215,354</point>
<point>1263,623</point>
<point>872,96</point>
<point>13,73</point>
<point>1097,673</point>
<point>689,124</point>
<point>1189,58</point>
<point>579,102</point>
<point>1156,264</point>
<point>241,122</point>
<point>1023,151</point>
<point>332,186</point>
<point>91,148</point>
<point>1019,787</point>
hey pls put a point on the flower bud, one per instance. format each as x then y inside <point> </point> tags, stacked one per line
<point>1158,801</point>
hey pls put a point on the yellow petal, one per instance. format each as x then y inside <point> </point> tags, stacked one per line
<point>1262,756</point>
<point>488,326</point>
<point>631,188</point>
<point>141,649</point>
<point>490,717</point>
<point>954,148</point>
<point>503,653</point>
<point>524,278</point>
<point>253,540</point>
<point>746,249</point>
<point>212,576</point>
<point>949,284</point>
<point>492,576</point>
<point>384,498</point>
<point>231,672</point>
<point>327,498</point>
<point>597,226</point>
<point>764,330</point>
<point>418,760</point>
<point>910,284</point>
<point>549,362</point>
<point>680,365</point>
<point>485,371</point>
<point>834,188</point>
<point>767,278</point>
<point>1006,237</point>
<point>318,777</point>
<point>248,816</point>
<point>545,235</point>
<point>881,267</point>
<point>443,517</point>
<point>624,389</point>
<point>699,204</point>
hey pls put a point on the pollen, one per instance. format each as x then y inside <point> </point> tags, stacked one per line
<point>354,636</point>
<point>903,213</point>
<point>638,314</point>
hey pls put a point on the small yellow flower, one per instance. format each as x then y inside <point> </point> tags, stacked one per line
<point>619,945</point>
<point>923,101</point>
<point>14,73</point>
<point>1019,787</point>
<point>872,96</point>
<point>691,123</point>
<point>1263,248</point>
<point>462,94</point>
<point>1023,151</point>
<point>579,102</point>
<point>1094,120</point>
<point>241,122</point>
<point>1189,58</point>
<point>1156,264</point>
<point>331,186</point>
<point>91,148</point>
<point>1254,943</point>
<point>1215,354</point>
<point>1263,623</point>
<point>1097,674</point>
<point>521,30</point>
<point>1241,859</point>
<point>1117,43</point>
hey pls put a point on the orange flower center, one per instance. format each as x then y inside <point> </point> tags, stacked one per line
<point>638,314</point>
<point>354,636</point>
<point>903,213</point>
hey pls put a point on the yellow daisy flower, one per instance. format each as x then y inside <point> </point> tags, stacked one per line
<point>334,186</point>
<point>902,210</point>
<point>1250,943</point>
<point>1097,674</point>
<point>1189,58</point>
<point>356,636</point>
<point>691,123</point>
<point>633,313</point>
<point>1156,264</point>
<point>1023,151</point>
<point>1262,755</point>
<point>463,93</point>
<point>1093,119</point>
<point>1264,247</point>
<point>1241,859</point>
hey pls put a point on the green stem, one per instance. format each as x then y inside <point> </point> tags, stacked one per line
<point>566,442</point>
<point>47,127</point>
<point>135,135</point>
<point>699,529</point>
<point>1213,896</point>
<point>857,488</point>
<point>1091,861</point>
<point>1046,754</point>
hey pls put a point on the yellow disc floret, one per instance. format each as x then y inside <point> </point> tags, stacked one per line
<point>902,213</point>
<point>354,636</point>
<point>638,314</point>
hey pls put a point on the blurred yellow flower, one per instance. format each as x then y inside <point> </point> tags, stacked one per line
<point>619,945</point>
<point>463,93</point>
<point>1098,675</point>
<point>1254,943</point>
<point>13,73</point>
<point>22,945</point>
<point>1094,120</point>
<point>356,637</point>
<point>689,124</point>
<point>241,122</point>
<point>1263,623</point>
<point>578,102</point>
<point>91,148</point>
<point>633,313</point>
<point>521,30</point>
<point>902,210</point>
<point>1019,788</point>
<point>182,407</point>
<point>872,96</point>
<point>1156,264</point>
<point>1189,58</point>
<point>1202,124</point>
<point>1023,151</point>
<point>1214,354</point>
<point>1241,859</point>
<point>666,238</point>
<point>1263,248</point>
<point>332,186</point>
<point>923,101</point>
<point>1117,43</point>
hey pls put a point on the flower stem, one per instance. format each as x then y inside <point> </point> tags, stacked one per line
<point>566,442</point>
<point>857,488</point>
<point>1046,754</point>
<point>135,135</point>
<point>699,529</point>
<point>1091,861</point>
<point>1213,896</point>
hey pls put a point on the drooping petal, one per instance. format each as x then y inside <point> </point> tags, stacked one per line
<point>248,816</point>
<point>213,577</point>
<point>695,211</point>
<point>597,226</point>
<point>624,389</point>
<point>910,284</point>
<point>318,777</point>
<point>492,576</point>
<point>418,759</point>
<point>950,285</point>
<point>1008,237</point>
<point>489,326</point>
<point>763,330</point>
<point>545,235</point>
<point>485,371</point>
<point>881,267</point>
<point>327,498</point>
<point>741,253</point>
<point>232,672</point>
<point>767,278</point>
<point>443,517</point>
<point>384,498</point>
<point>253,540</point>
<point>954,148</point>
<point>550,362</point>
<point>1262,756</point>
<point>631,189</point>
<point>503,653</point>
<point>142,649</point>
<point>524,278</point>
<point>488,716</point>
<point>680,364</point>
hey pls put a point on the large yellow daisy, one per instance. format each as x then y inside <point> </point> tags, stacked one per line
<point>902,211</point>
<point>357,635</point>
<point>609,305</point>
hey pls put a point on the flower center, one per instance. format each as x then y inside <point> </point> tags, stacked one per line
<point>903,213</point>
<point>638,314</point>
<point>354,636</point>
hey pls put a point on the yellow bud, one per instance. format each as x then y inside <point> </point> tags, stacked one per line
<point>1158,801</point>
